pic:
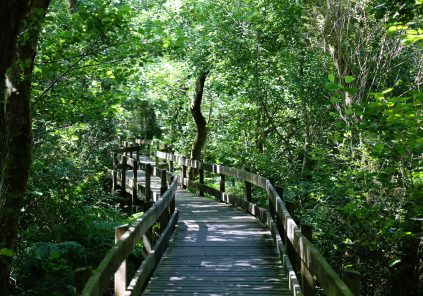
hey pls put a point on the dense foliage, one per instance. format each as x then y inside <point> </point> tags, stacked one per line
<point>322,97</point>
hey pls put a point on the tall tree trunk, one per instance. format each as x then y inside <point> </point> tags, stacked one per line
<point>15,120</point>
<point>198,117</point>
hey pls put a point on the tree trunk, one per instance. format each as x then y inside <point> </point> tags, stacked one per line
<point>199,119</point>
<point>15,121</point>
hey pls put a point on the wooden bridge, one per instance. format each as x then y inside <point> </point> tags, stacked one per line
<point>196,245</point>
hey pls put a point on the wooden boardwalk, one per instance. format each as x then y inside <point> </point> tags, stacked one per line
<point>217,250</point>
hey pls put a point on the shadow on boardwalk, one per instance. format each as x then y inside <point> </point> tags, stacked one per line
<point>217,250</point>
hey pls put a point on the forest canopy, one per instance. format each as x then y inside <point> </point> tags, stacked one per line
<point>324,98</point>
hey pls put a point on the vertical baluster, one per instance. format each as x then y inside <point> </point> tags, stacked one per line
<point>248,188</point>
<point>222,187</point>
<point>135,182</point>
<point>201,179</point>
<point>289,248</point>
<point>120,274</point>
<point>164,219</point>
<point>184,172</point>
<point>123,173</point>
<point>306,276</point>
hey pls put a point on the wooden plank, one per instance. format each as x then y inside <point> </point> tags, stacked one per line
<point>218,250</point>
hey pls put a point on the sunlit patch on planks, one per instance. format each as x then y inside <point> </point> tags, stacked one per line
<point>217,250</point>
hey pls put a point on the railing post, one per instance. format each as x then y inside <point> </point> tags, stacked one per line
<point>171,166</point>
<point>120,274</point>
<point>172,203</point>
<point>289,248</point>
<point>137,153</point>
<point>184,172</point>
<point>148,237</point>
<point>353,281</point>
<point>148,170</point>
<point>248,188</point>
<point>135,182</point>
<point>130,152</point>
<point>222,187</point>
<point>164,219</point>
<point>306,276</point>
<point>201,179</point>
<point>123,173</point>
<point>126,145</point>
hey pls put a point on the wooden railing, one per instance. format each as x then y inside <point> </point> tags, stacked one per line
<point>162,212</point>
<point>291,240</point>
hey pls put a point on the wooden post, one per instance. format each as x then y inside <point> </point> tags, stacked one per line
<point>164,219</point>
<point>148,237</point>
<point>114,172</point>
<point>163,181</point>
<point>137,153</point>
<point>222,183</point>
<point>130,152</point>
<point>222,187</point>
<point>248,188</point>
<point>135,182</point>
<point>306,276</point>
<point>123,173</point>
<point>148,170</point>
<point>171,166</point>
<point>353,281</point>
<point>201,180</point>
<point>184,172</point>
<point>120,274</point>
<point>126,145</point>
<point>289,248</point>
<point>172,202</point>
<point>81,276</point>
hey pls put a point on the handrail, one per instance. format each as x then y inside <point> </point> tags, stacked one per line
<point>331,283</point>
<point>164,211</point>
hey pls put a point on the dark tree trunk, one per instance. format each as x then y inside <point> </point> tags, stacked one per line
<point>198,117</point>
<point>15,122</point>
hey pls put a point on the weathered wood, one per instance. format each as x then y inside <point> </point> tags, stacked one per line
<point>201,181</point>
<point>184,173</point>
<point>123,172</point>
<point>98,282</point>
<point>148,170</point>
<point>247,189</point>
<point>222,183</point>
<point>307,279</point>
<point>213,251</point>
<point>331,283</point>
<point>134,183</point>
<point>120,274</point>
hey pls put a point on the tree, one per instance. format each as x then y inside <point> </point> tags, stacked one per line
<point>17,61</point>
<point>198,117</point>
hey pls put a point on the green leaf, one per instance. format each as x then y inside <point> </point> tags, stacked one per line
<point>349,79</point>
<point>331,78</point>
<point>379,147</point>
<point>55,255</point>
<point>6,252</point>
<point>393,262</point>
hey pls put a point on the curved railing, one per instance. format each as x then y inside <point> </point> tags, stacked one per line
<point>280,221</point>
<point>163,212</point>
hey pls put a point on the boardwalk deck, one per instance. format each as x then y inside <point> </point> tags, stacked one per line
<point>217,250</point>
